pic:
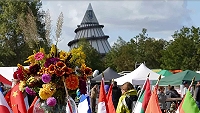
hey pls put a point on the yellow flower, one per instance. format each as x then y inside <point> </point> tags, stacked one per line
<point>22,85</point>
<point>78,56</point>
<point>47,91</point>
<point>53,50</point>
<point>63,55</point>
<point>31,60</point>
<point>42,50</point>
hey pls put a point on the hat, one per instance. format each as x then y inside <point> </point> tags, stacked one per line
<point>185,82</point>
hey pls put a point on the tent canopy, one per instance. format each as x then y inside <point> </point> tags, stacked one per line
<point>5,81</point>
<point>165,73</point>
<point>178,78</point>
<point>109,74</point>
<point>138,76</point>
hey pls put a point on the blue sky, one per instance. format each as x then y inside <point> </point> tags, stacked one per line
<point>126,18</point>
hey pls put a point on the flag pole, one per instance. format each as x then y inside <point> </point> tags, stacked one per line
<point>193,79</point>
<point>67,95</point>
<point>158,80</point>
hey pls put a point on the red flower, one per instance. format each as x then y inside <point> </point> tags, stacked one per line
<point>52,69</point>
<point>59,72</point>
<point>67,70</point>
<point>60,64</point>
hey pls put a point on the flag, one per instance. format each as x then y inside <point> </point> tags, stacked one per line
<point>111,108</point>
<point>4,107</point>
<point>153,106</point>
<point>15,99</point>
<point>143,99</point>
<point>84,104</point>
<point>30,110</point>
<point>188,105</point>
<point>102,105</point>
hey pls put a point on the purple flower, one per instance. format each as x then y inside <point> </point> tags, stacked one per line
<point>51,101</point>
<point>50,61</point>
<point>46,78</point>
<point>30,91</point>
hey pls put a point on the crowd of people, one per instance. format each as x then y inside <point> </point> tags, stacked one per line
<point>125,97</point>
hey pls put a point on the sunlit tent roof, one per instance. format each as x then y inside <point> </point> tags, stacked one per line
<point>5,81</point>
<point>178,78</point>
<point>165,73</point>
<point>109,74</point>
<point>7,72</point>
<point>138,76</point>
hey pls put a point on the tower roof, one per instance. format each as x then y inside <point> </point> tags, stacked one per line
<point>92,31</point>
<point>89,17</point>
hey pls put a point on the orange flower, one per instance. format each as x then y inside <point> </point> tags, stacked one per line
<point>72,82</point>
<point>51,69</point>
<point>67,70</point>
<point>60,64</point>
<point>59,72</point>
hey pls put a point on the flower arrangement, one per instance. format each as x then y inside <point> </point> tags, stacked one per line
<point>46,73</point>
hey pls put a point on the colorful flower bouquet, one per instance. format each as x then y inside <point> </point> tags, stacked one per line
<point>49,75</point>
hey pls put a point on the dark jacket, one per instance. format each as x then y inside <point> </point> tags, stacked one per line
<point>116,94</point>
<point>173,94</point>
<point>197,93</point>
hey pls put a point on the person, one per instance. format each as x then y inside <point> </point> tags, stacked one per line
<point>116,94</point>
<point>106,87</point>
<point>197,94</point>
<point>186,86</point>
<point>171,93</point>
<point>128,99</point>
<point>2,87</point>
<point>93,98</point>
<point>162,98</point>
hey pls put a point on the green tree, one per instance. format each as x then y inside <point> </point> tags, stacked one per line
<point>13,43</point>
<point>183,52</point>
<point>93,57</point>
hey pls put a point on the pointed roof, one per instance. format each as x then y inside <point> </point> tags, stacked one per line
<point>109,74</point>
<point>89,17</point>
<point>92,32</point>
<point>165,73</point>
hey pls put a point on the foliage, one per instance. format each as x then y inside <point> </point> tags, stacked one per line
<point>183,52</point>
<point>12,38</point>
<point>93,57</point>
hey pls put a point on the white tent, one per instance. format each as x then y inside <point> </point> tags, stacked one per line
<point>7,72</point>
<point>138,76</point>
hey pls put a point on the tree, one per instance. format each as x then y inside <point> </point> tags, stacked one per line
<point>12,38</point>
<point>183,53</point>
<point>93,57</point>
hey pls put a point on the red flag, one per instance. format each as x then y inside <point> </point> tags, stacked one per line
<point>111,108</point>
<point>4,107</point>
<point>102,105</point>
<point>16,99</point>
<point>30,110</point>
<point>153,106</point>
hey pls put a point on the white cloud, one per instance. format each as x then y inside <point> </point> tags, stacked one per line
<point>157,16</point>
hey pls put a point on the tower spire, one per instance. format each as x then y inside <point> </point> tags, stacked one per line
<point>92,32</point>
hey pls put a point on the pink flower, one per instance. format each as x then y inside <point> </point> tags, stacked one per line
<point>39,56</point>
<point>51,101</point>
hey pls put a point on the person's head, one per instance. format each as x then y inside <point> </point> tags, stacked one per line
<point>198,82</point>
<point>126,87</point>
<point>1,84</point>
<point>161,89</point>
<point>114,83</point>
<point>171,88</point>
<point>185,83</point>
